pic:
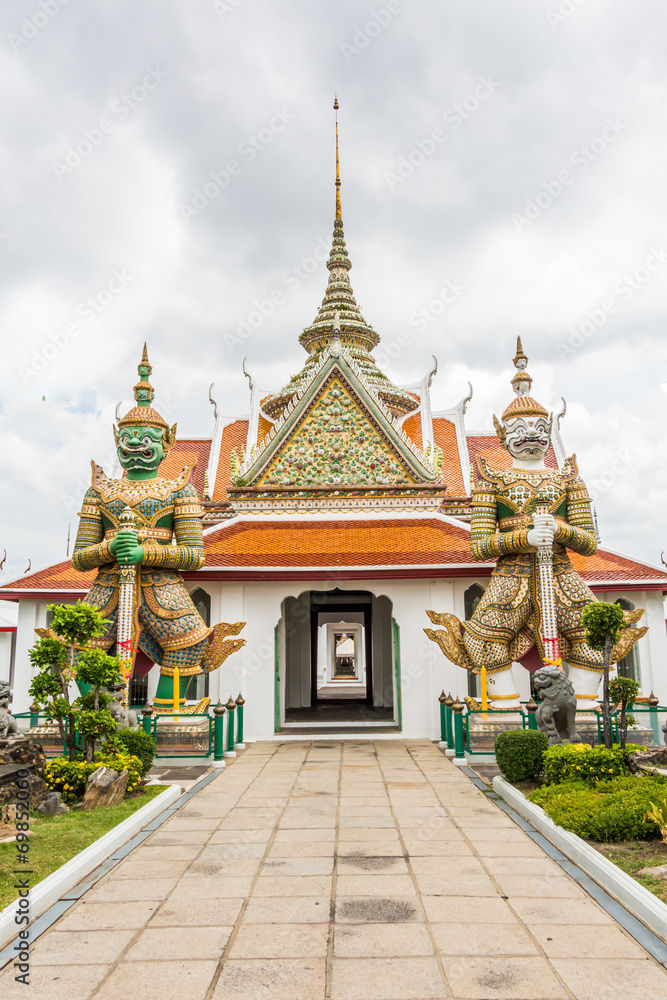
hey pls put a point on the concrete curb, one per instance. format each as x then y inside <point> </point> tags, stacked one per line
<point>59,882</point>
<point>633,896</point>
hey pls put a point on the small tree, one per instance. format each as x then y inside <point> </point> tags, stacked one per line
<point>74,625</point>
<point>93,716</point>
<point>603,624</point>
<point>625,690</point>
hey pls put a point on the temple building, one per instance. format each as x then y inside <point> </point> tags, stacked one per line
<point>336,512</point>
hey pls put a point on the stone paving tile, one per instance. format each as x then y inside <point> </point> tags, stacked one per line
<point>122,890</point>
<point>297,866</point>
<point>482,939</point>
<point>559,911</point>
<point>575,940</point>
<point>272,979</point>
<point>612,979</point>
<point>78,947</point>
<point>376,884</point>
<point>163,944</point>
<point>453,865</point>
<point>157,981</point>
<point>387,979</point>
<point>276,941</point>
<point>522,866</point>
<point>301,849</point>
<point>474,909</point>
<point>381,940</point>
<point>55,982</point>
<point>541,886</point>
<point>481,978</point>
<point>292,885</point>
<point>90,915</point>
<point>296,910</point>
<point>188,910</point>
<point>283,835</point>
<point>449,884</point>
<point>204,881</point>
<point>358,864</point>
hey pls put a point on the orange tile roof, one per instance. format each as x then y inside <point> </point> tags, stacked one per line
<point>490,448</point>
<point>234,435</point>
<point>183,453</point>
<point>293,545</point>
<point>412,426</point>
<point>60,577</point>
<point>444,435</point>
<point>609,566</point>
<point>263,428</point>
<point>390,542</point>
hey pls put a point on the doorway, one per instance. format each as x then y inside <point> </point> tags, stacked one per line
<point>338,660</point>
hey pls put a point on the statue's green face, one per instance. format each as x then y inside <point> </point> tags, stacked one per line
<point>140,451</point>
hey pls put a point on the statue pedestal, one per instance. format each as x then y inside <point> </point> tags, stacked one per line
<point>485,727</point>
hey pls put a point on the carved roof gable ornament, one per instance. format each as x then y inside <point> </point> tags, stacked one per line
<point>336,431</point>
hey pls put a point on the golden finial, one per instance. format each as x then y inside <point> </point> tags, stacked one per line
<point>520,359</point>
<point>339,213</point>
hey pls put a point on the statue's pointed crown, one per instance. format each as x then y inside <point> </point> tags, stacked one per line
<point>523,405</point>
<point>142,413</point>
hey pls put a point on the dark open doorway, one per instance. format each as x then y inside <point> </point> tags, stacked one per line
<point>338,661</point>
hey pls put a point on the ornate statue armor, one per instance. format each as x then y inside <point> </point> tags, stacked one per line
<point>166,538</point>
<point>510,507</point>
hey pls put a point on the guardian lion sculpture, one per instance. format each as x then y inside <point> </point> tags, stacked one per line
<point>556,715</point>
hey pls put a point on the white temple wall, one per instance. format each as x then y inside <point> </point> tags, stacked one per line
<point>424,670</point>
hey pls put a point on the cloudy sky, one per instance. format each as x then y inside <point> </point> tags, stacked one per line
<point>168,174</point>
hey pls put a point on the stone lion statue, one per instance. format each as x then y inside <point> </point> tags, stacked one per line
<point>8,726</point>
<point>556,715</point>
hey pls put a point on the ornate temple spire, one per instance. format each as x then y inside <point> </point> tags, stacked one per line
<point>339,318</point>
<point>339,213</point>
<point>339,297</point>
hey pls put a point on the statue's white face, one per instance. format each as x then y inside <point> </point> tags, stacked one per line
<point>527,438</point>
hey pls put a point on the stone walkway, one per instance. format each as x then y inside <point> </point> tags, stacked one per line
<point>355,871</point>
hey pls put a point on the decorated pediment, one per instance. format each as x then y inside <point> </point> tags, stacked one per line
<point>336,433</point>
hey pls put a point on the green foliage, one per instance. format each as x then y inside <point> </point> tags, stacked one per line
<point>519,754</point>
<point>94,725</point>
<point>69,777</point>
<point>623,690</point>
<point>77,623</point>
<point>580,762</point>
<point>600,620</point>
<point>60,659</point>
<point>137,742</point>
<point>93,719</point>
<point>612,811</point>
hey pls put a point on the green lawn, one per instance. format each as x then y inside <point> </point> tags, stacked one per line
<point>633,855</point>
<point>56,839</point>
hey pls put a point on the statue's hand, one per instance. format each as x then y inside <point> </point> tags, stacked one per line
<point>126,548</point>
<point>543,532</point>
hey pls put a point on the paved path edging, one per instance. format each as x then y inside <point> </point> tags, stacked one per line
<point>633,896</point>
<point>59,882</point>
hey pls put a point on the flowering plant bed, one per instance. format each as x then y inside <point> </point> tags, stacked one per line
<point>54,840</point>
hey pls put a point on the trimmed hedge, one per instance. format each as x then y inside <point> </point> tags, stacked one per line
<point>581,762</point>
<point>611,811</point>
<point>138,743</point>
<point>519,754</point>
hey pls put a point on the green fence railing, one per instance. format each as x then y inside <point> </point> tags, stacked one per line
<point>479,728</point>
